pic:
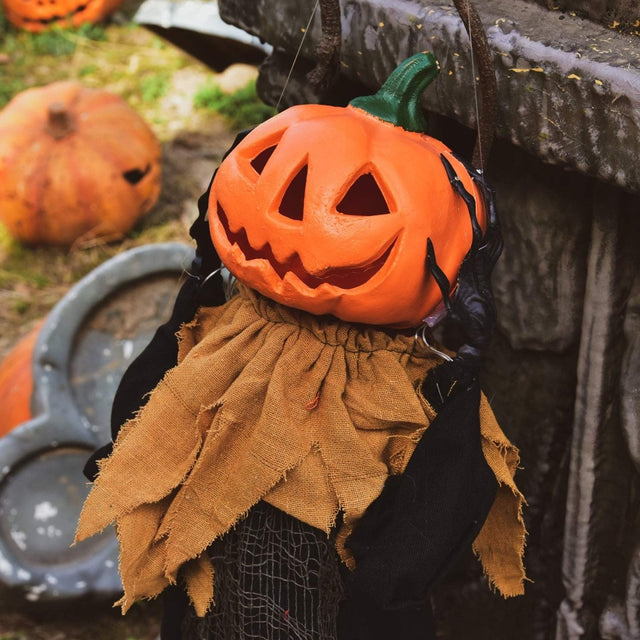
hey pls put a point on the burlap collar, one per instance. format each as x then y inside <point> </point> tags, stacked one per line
<point>269,403</point>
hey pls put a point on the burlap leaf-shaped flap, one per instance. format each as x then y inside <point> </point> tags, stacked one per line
<point>266,403</point>
<point>501,541</point>
<point>138,455</point>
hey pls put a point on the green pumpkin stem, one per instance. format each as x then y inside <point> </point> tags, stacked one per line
<point>398,100</point>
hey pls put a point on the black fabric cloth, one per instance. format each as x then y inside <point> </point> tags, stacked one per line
<point>361,618</point>
<point>423,519</point>
<point>175,609</point>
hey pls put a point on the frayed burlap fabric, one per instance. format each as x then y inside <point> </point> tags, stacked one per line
<point>308,413</point>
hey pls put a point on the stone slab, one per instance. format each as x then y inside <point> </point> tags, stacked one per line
<point>569,89</point>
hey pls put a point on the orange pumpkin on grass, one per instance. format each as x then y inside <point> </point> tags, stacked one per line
<point>74,162</point>
<point>338,224</point>
<point>36,15</point>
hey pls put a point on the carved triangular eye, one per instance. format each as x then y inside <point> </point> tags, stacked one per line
<point>260,161</point>
<point>364,198</point>
<point>133,176</point>
<point>292,205</point>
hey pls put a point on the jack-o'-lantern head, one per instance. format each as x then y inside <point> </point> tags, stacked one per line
<point>328,209</point>
<point>37,15</point>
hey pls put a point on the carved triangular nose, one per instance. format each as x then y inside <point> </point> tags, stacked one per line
<point>292,204</point>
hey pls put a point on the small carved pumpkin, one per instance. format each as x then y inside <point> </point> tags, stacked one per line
<point>74,162</point>
<point>328,209</point>
<point>37,15</point>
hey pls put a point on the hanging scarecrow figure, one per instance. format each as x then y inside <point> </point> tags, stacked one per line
<point>309,465</point>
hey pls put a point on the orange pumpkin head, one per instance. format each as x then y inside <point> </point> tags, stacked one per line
<point>328,209</point>
<point>74,162</point>
<point>37,15</point>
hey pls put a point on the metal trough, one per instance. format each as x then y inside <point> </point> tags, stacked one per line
<point>82,350</point>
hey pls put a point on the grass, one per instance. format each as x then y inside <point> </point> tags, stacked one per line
<point>242,108</point>
<point>138,64</point>
<point>32,280</point>
<point>52,48</point>
<point>154,86</point>
<point>59,41</point>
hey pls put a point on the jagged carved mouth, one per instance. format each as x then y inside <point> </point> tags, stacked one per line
<point>57,17</point>
<point>344,278</point>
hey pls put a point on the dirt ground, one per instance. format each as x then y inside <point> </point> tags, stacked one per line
<point>32,280</point>
<point>84,620</point>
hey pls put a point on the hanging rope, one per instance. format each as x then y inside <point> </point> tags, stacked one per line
<point>328,50</point>
<point>487,80</point>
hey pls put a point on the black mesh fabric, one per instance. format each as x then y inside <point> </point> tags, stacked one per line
<point>276,578</point>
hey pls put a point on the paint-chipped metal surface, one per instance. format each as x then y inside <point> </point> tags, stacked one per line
<point>195,16</point>
<point>83,348</point>
<point>569,89</point>
<point>110,338</point>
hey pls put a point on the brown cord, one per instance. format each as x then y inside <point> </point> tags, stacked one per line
<point>487,79</point>
<point>328,61</point>
<point>328,50</point>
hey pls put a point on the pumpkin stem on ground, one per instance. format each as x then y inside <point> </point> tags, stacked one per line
<point>60,122</point>
<point>398,100</point>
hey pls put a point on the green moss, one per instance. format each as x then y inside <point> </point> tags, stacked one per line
<point>242,109</point>
<point>95,32</point>
<point>15,271</point>
<point>21,306</point>
<point>154,86</point>
<point>52,43</point>
<point>4,28</point>
<point>87,70</point>
<point>8,89</point>
<point>62,41</point>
